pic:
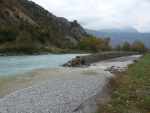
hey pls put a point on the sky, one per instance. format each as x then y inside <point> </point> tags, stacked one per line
<point>102,14</point>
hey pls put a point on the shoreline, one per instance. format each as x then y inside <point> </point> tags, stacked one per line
<point>80,61</point>
<point>42,53</point>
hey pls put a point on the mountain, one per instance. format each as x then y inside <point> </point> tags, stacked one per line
<point>120,30</point>
<point>119,36</point>
<point>24,25</point>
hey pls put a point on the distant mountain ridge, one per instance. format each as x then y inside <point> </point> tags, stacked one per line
<point>119,36</point>
<point>122,30</point>
<point>56,31</point>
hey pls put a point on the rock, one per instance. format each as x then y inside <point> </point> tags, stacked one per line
<point>135,61</point>
<point>114,69</point>
<point>76,62</point>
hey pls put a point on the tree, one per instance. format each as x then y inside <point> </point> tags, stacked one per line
<point>106,44</point>
<point>138,46</point>
<point>118,47</point>
<point>126,46</point>
<point>94,44</point>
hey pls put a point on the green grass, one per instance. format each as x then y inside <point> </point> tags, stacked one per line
<point>132,91</point>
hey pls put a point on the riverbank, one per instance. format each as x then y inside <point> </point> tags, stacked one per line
<point>80,61</point>
<point>64,90</point>
<point>131,90</point>
<point>44,52</point>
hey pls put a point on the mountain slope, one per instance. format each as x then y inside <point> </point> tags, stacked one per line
<point>32,26</point>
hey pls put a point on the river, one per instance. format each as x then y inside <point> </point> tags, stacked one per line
<point>12,65</point>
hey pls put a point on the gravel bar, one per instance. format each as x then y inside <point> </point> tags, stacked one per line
<point>66,91</point>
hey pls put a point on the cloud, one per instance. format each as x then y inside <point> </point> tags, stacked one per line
<point>100,14</point>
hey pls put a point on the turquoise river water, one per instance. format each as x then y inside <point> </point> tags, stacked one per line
<point>11,65</point>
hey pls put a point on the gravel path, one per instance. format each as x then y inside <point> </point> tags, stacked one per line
<point>66,91</point>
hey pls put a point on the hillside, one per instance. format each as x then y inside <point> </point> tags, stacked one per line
<point>119,36</point>
<point>25,26</point>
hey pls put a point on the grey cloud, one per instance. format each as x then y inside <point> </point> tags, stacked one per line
<point>99,14</point>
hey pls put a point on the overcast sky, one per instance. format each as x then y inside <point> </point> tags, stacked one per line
<point>101,14</point>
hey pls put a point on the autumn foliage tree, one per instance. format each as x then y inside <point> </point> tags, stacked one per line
<point>138,46</point>
<point>94,44</point>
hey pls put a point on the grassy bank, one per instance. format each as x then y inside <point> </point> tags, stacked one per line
<point>131,92</point>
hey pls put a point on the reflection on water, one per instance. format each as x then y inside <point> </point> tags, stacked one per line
<point>10,65</point>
